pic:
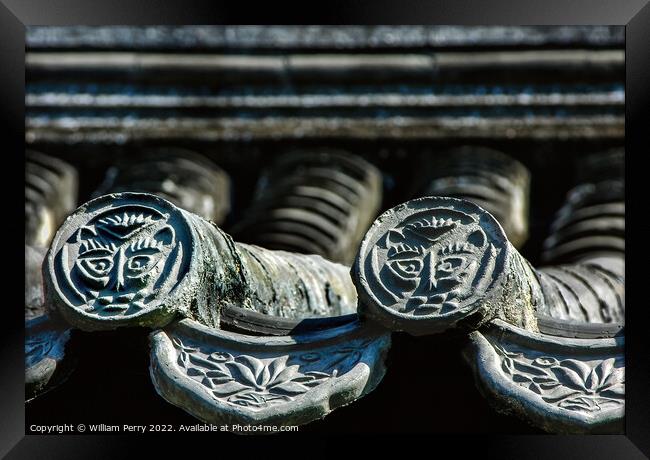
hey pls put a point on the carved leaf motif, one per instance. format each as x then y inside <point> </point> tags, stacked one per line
<point>242,373</point>
<point>580,368</point>
<point>609,375</point>
<point>255,382</point>
<point>558,393</point>
<point>207,382</point>
<point>592,380</point>
<point>195,371</point>
<point>506,365</point>
<point>569,377</point>
<point>579,403</point>
<point>182,359</point>
<point>220,380</point>
<point>219,372</point>
<point>229,388</point>
<point>521,378</point>
<point>291,388</point>
<point>264,377</point>
<point>545,380</point>
<point>287,374</point>
<point>528,369</point>
<point>605,369</point>
<point>195,359</point>
<point>547,388</point>
<point>617,391</point>
<point>570,384</point>
<point>276,366</point>
<point>252,364</point>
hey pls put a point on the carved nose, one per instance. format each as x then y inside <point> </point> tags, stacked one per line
<point>429,273</point>
<point>120,271</point>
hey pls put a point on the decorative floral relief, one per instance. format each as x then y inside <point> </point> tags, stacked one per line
<point>255,383</point>
<point>569,383</point>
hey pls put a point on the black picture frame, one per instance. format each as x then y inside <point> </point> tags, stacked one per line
<point>15,15</point>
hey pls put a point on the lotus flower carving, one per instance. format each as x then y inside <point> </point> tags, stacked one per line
<point>583,386</point>
<point>256,382</point>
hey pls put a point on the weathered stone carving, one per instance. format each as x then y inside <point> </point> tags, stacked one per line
<point>183,177</point>
<point>319,202</point>
<point>592,291</point>
<point>559,383</point>
<point>569,377</point>
<point>436,263</point>
<point>225,378</point>
<point>50,195</point>
<point>587,246</point>
<point>45,342</point>
<point>34,257</point>
<point>114,261</point>
<point>495,181</point>
<point>556,383</point>
<point>134,259</point>
<point>592,220</point>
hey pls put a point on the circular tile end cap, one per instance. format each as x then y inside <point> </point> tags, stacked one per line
<point>431,264</point>
<point>120,260</point>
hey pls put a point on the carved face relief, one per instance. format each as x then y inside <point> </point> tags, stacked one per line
<point>431,262</point>
<point>120,261</point>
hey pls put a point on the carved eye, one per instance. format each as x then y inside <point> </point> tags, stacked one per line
<point>450,264</point>
<point>142,263</point>
<point>97,266</point>
<point>408,268</point>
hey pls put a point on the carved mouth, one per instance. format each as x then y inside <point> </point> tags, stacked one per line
<point>427,308</point>
<point>120,303</point>
<point>115,307</point>
<point>439,303</point>
<point>122,298</point>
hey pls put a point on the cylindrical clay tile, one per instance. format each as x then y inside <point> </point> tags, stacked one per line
<point>319,202</point>
<point>495,181</point>
<point>50,195</point>
<point>181,176</point>
<point>135,259</point>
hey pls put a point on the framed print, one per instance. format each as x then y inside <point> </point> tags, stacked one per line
<point>379,220</point>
